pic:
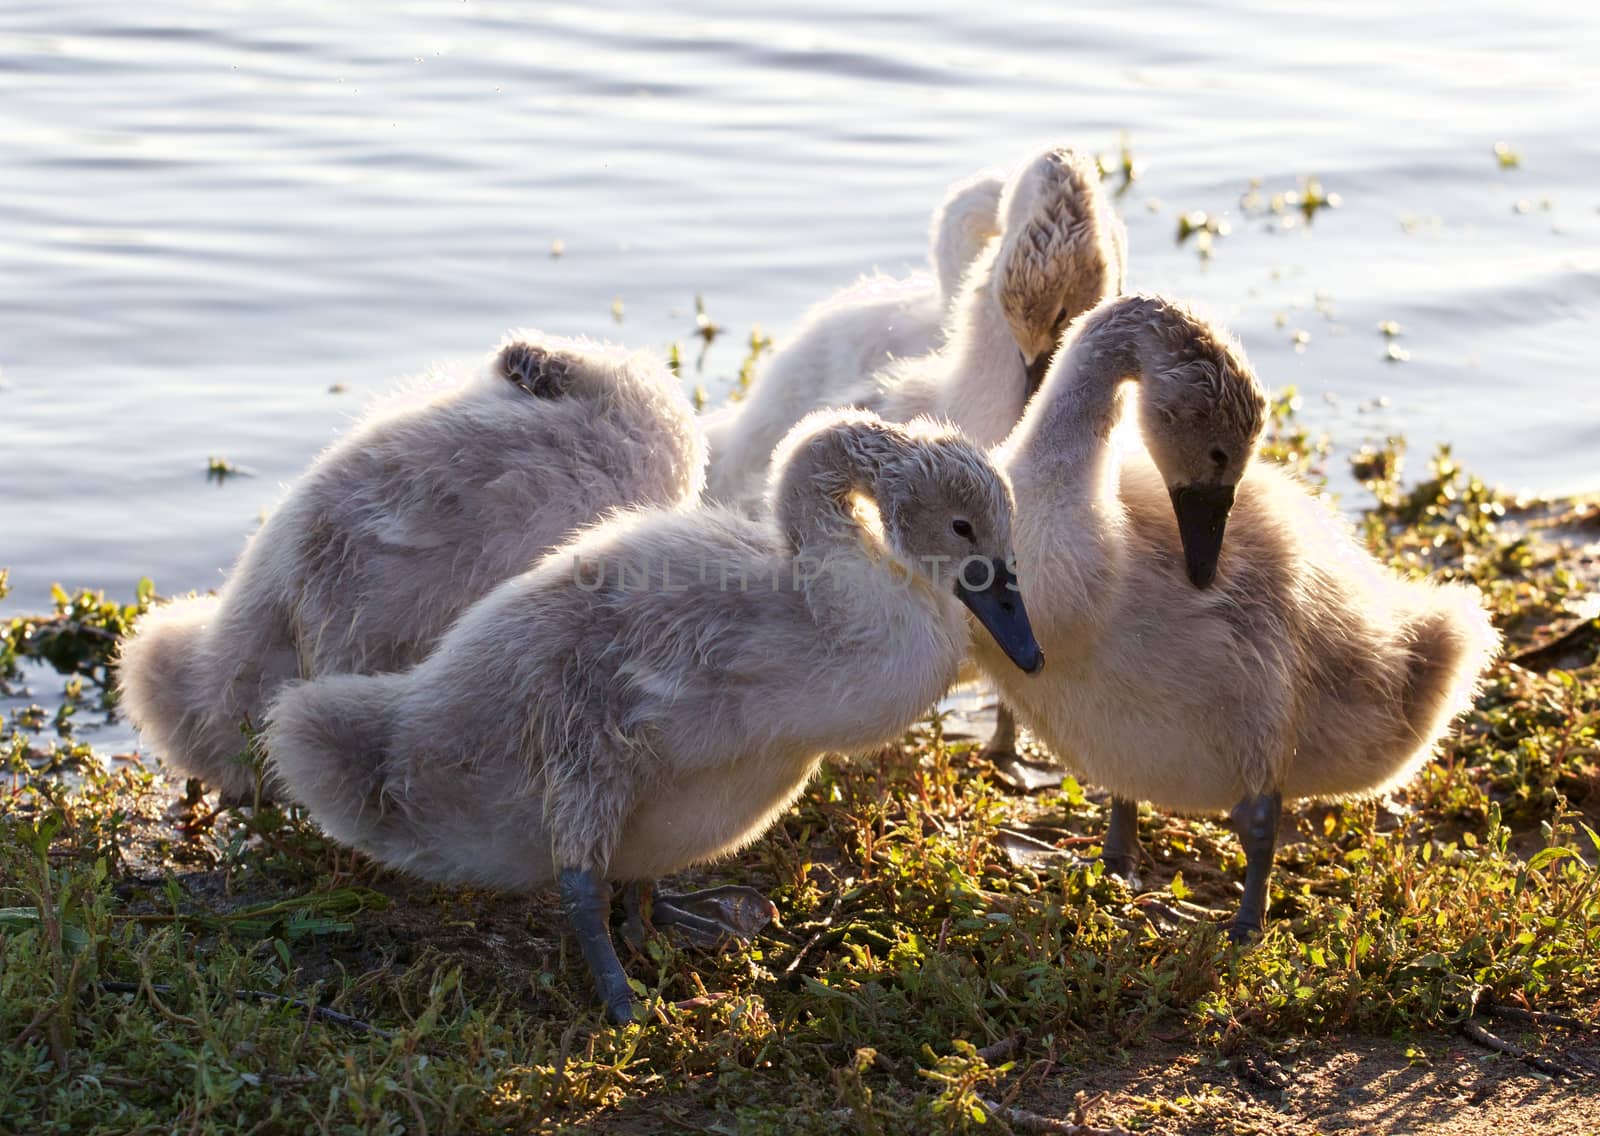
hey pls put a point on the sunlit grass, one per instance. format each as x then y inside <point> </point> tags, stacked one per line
<point>920,976</point>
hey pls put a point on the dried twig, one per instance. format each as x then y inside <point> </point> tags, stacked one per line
<point>822,931</point>
<point>1164,910</point>
<point>1032,1122</point>
<point>1538,1017</point>
<point>1476,1033</point>
<point>701,1001</point>
<point>323,1012</point>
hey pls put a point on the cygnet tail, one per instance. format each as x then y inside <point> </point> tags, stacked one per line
<point>1453,643</point>
<point>183,700</point>
<point>328,746</point>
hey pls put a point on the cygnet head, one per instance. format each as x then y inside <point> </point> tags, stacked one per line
<point>944,508</point>
<point>1202,411</point>
<point>1055,260</point>
<point>947,510</point>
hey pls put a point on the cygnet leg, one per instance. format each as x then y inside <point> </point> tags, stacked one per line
<point>1255,819</point>
<point>1002,743</point>
<point>708,917</point>
<point>1120,852</point>
<point>586,896</point>
<point>1000,751</point>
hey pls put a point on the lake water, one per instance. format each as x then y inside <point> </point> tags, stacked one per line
<point>213,213</point>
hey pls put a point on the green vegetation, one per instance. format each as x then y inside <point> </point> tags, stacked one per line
<point>220,469</point>
<point>758,345</point>
<point>1308,199</point>
<point>161,958</point>
<point>1204,227</point>
<point>1123,165</point>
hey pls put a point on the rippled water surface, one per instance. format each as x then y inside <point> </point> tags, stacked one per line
<point>213,213</point>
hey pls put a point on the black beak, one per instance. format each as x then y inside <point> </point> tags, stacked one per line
<point>1202,515</point>
<point>989,590</point>
<point>1036,370</point>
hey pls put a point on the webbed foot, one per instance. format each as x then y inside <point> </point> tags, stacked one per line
<point>707,918</point>
<point>1241,931</point>
<point>1034,846</point>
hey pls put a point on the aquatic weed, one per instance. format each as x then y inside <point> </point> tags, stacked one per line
<point>220,469</point>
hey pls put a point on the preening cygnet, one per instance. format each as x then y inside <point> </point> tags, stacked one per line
<point>1294,666</point>
<point>1064,250</point>
<point>655,693</point>
<point>1061,250</point>
<point>426,505</point>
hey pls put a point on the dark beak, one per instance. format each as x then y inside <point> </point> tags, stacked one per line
<point>1036,370</point>
<point>1202,515</point>
<point>993,597</point>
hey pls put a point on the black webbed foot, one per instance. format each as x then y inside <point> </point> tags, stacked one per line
<point>708,918</point>
<point>533,368</point>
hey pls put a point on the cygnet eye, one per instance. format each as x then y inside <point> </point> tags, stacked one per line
<point>963,528</point>
<point>1061,316</point>
<point>1220,457</point>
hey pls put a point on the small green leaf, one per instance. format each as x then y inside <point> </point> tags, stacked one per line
<point>19,919</point>
<point>1549,856</point>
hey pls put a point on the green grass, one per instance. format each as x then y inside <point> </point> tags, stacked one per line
<point>918,971</point>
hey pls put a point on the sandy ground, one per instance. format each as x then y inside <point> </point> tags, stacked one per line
<point>1435,1083</point>
<point>1432,1084</point>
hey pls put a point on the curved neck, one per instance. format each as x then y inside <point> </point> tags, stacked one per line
<point>1070,421</point>
<point>864,600</point>
<point>1067,477</point>
<point>849,576</point>
<point>987,390</point>
<point>950,261</point>
<point>813,501</point>
<point>978,379</point>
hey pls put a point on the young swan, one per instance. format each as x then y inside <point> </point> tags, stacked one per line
<point>655,693</point>
<point>1299,668</point>
<point>1062,250</point>
<point>399,526</point>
